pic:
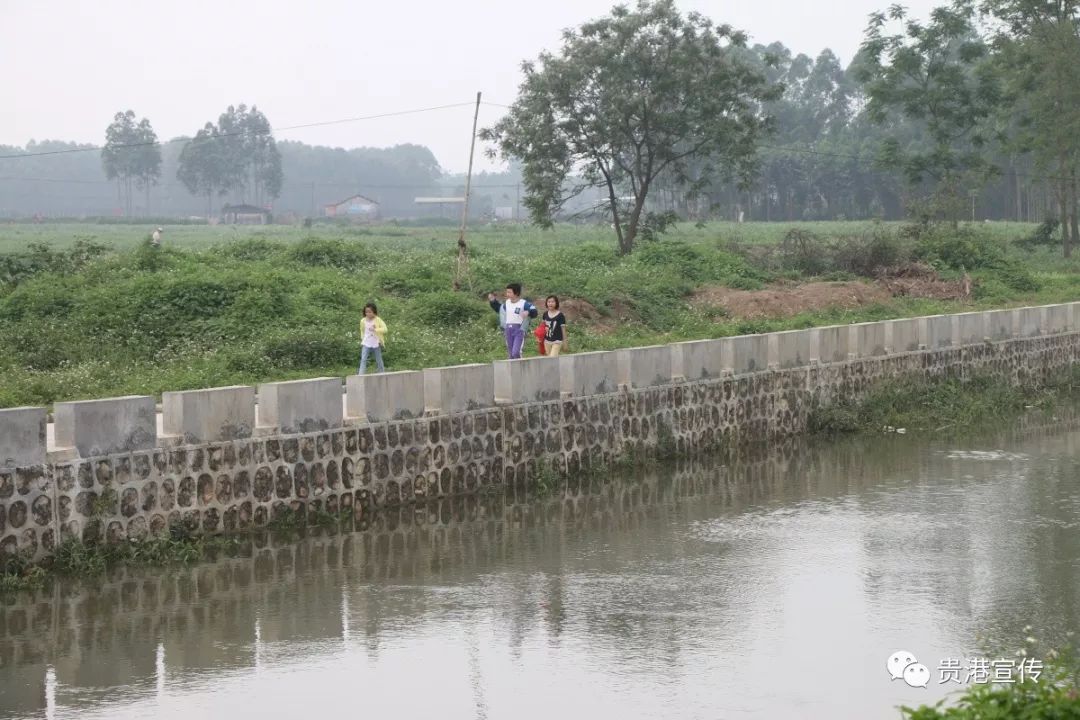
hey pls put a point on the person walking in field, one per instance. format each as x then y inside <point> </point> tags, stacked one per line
<point>513,316</point>
<point>554,323</point>
<point>155,238</point>
<point>373,338</point>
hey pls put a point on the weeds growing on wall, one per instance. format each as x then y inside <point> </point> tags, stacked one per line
<point>951,405</point>
<point>546,479</point>
<point>75,558</point>
<point>666,446</point>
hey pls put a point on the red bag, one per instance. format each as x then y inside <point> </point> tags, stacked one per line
<point>540,332</point>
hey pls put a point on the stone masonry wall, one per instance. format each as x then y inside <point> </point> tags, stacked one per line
<point>360,465</point>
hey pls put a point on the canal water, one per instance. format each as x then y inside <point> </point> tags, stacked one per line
<point>774,586</point>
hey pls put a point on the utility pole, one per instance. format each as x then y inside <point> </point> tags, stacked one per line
<point>517,204</point>
<point>462,269</point>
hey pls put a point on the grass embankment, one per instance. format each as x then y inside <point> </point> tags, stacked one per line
<point>221,306</point>
<point>944,405</point>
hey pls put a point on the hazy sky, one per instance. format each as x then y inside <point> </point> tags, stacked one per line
<point>69,66</point>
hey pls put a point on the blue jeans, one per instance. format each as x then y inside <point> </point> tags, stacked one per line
<point>364,352</point>
<point>515,338</point>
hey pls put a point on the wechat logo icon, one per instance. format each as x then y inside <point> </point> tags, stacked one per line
<point>902,665</point>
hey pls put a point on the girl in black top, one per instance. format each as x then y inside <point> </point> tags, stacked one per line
<point>555,322</point>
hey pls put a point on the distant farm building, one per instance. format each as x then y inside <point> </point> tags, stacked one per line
<point>245,215</point>
<point>442,207</point>
<point>357,208</point>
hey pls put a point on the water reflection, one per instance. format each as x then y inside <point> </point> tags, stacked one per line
<point>772,586</point>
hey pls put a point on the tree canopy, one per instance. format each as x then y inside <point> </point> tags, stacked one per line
<point>131,155</point>
<point>632,97</point>
<point>236,155</point>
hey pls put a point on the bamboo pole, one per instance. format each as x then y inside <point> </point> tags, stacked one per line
<point>462,269</point>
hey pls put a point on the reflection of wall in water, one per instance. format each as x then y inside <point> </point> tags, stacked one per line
<point>206,615</point>
<point>101,634</point>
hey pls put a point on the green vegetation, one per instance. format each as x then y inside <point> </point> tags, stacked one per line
<point>1054,694</point>
<point>75,558</point>
<point>82,320</point>
<point>629,101</point>
<point>546,479</point>
<point>945,404</point>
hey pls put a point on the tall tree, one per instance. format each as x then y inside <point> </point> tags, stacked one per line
<point>238,155</point>
<point>250,153</point>
<point>629,98</point>
<point>264,160</point>
<point>131,156</point>
<point>203,168</point>
<point>939,76</point>
<point>1039,49</point>
<point>148,164</point>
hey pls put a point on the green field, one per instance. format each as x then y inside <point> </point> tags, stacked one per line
<point>228,305</point>
<point>18,237</point>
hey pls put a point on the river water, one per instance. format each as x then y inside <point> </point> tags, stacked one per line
<point>771,587</point>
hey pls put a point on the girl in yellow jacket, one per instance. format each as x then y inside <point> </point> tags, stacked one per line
<point>373,334</point>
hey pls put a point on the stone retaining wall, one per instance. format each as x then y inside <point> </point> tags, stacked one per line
<point>483,427</point>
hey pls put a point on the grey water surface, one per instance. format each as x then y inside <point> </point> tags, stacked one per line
<point>775,586</point>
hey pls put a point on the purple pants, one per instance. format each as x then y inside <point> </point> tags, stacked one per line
<point>515,338</point>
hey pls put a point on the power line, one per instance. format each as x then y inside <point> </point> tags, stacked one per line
<point>298,185</point>
<point>98,148</point>
<point>779,148</point>
<point>848,156</point>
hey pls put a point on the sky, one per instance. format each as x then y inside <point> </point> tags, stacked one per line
<point>70,65</point>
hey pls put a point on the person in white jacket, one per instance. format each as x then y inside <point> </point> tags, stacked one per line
<point>513,313</point>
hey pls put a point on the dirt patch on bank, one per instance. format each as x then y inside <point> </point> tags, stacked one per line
<point>918,280</point>
<point>787,299</point>
<point>584,312</point>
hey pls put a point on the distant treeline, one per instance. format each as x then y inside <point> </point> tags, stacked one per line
<point>820,163</point>
<point>73,184</point>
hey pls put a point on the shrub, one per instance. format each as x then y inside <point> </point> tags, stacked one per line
<point>689,263</point>
<point>406,281</point>
<point>1014,275</point>
<point>958,248</point>
<point>653,225</point>
<point>251,249</point>
<point>320,252</point>
<point>867,256</point>
<point>447,308</point>
<point>185,299</point>
<point>1052,695</point>
<point>839,418</point>
<point>1043,236</point>
<point>330,297</point>
<point>40,258</point>
<point>37,301</point>
<point>803,251</point>
<point>968,250</point>
<point>680,256</point>
<point>310,349</point>
<point>267,302</point>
